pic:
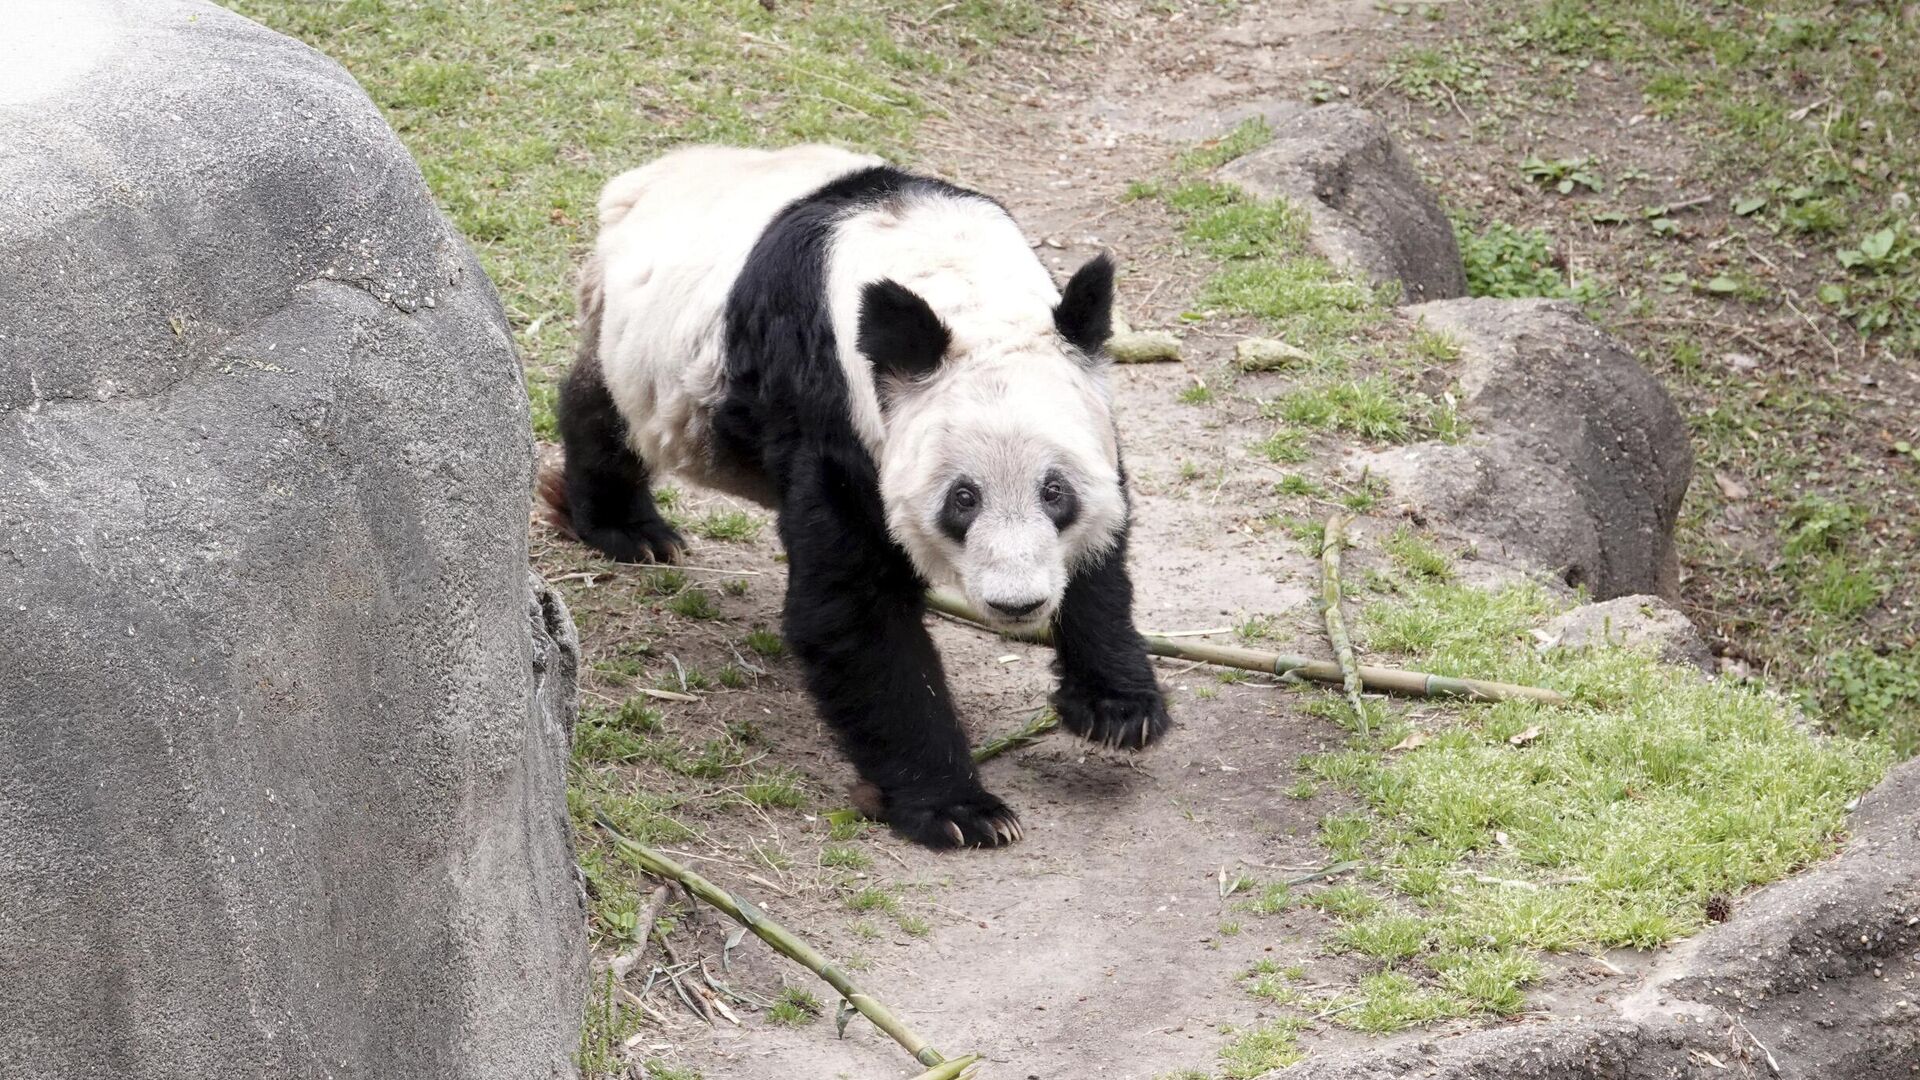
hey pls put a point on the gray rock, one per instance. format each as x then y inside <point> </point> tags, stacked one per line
<point>283,792</point>
<point>1814,977</point>
<point>1634,622</point>
<point>1578,460</point>
<point>1371,211</point>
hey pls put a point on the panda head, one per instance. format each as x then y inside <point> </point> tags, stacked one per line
<point>1000,471</point>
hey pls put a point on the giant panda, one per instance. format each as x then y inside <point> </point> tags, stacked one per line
<point>878,357</point>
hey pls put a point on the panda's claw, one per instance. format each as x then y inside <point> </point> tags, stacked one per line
<point>971,819</point>
<point>1116,721</point>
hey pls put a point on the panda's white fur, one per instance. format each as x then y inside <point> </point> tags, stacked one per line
<point>1009,401</point>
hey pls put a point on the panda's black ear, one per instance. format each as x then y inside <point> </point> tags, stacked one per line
<point>1085,314</point>
<point>899,333</point>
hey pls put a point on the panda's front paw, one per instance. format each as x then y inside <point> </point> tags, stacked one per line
<point>1124,721</point>
<point>652,541</point>
<point>963,818</point>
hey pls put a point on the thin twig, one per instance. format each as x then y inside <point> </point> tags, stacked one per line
<point>649,914</point>
<point>783,941</point>
<point>1333,540</point>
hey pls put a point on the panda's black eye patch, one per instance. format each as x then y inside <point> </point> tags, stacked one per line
<point>962,505</point>
<point>1058,501</point>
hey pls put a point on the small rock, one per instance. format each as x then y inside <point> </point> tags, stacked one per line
<point>1269,354</point>
<point>1144,347</point>
<point>1643,622</point>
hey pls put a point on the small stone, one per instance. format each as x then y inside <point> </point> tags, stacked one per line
<point>1269,354</point>
<point>1144,347</point>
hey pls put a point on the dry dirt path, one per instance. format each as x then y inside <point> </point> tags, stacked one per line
<point>1095,947</point>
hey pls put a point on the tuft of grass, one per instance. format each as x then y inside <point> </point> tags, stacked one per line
<point>1344,902</point>
<point>1417,556</point>
<point>840,857</point>
<point>1383,936</point>
<point>795,1008</point>
<point>1375,407</point>
<point>913,925</point>
<point>694,604</point>
<point>1393,1000</point>
<point>775,788</point>
<point>873,899</point>
<point>766,643</point>
<point>1284,447</point>
<point>1253,1052</point>
<point>1249,135</point>
<point>1272,900</point>
<point>734,525</point>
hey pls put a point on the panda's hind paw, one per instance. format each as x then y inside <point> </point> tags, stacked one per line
<point>972,819</point>
<point>1121,721</point>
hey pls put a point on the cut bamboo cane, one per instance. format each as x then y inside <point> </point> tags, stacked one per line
<point>1332,539</point>
<point>958,1069</point>
<point>783,941</point>
<point>1384,680</point>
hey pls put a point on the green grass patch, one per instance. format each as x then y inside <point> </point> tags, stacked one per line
<point>795,1008</point>
<point>1249,135</point>
<point>1417,555</point>
<point>1251,1052</point>
<point>733,525</point>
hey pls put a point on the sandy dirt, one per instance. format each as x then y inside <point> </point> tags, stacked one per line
<point>1095,947</point>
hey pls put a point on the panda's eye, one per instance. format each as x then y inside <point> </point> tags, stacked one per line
<point>1058,501</point>
<point>961,507</point>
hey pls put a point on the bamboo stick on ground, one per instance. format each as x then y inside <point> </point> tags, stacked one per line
<point>959,1068</point>
<point>1332,539</point>
<point>783,941</point>
<point>1384,680</point>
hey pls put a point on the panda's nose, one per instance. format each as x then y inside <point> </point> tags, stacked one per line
<point>1015,611</point>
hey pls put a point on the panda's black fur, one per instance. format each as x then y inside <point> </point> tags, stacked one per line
<point>855,604</point>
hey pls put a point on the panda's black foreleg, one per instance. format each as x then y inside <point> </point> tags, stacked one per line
<point>854,619</point>
<point>609,498</point>
<point>1107,692</point>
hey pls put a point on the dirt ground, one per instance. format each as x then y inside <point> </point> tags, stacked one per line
<point>1095,947</point>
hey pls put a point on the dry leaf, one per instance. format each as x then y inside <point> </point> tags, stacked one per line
<point>667,695</point>
<point>1527,736</point>
<point>1733,489</point>
<point>1414,741</point>
<point>1501,839</point>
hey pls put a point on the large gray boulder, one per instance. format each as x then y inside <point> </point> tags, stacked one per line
<point>1371,212</point>
<point>1814,977</point>
<point>1578,461</point>
<point>284,718</point>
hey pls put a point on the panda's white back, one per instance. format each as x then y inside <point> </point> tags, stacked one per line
<point>674,234</point>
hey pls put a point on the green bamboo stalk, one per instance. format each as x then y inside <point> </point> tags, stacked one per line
<point>957,1069</point>
<point>1332,539</point>
<point>783,941</point>
<point>1382,679</point>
